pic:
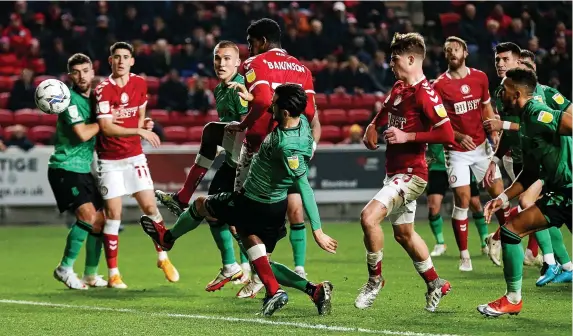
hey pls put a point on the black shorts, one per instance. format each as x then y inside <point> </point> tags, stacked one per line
<point>266,221</point>
<point>223,182</point>
<point>72,190</point>
<point>556,207</point>
<point>438,183</point>
<point>292,190</point>
<point>517,168</point>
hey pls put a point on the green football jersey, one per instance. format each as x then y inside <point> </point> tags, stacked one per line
<point>435,157</point>
<point>70,153</point>
<point>230,106</point>
<point>283,157</point>
<point>543,146</point>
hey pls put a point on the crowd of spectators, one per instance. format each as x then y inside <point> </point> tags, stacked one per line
<point>346,44</point>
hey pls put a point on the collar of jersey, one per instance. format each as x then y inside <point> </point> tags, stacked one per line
<point>292,128</point>
<point>278,49</point>
<point>450,77</point>
<point>114,83</point>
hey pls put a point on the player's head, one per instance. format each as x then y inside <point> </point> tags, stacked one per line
<point>81,72</point>
<point>263,35</point>
<point>121,58</point>
<point>456,51</point>
<point>518,86</point>
<point>226,59</point>
<point>407,54</point>
<point>527,60</point>
<point>289,101</point>
<point>506,57</point>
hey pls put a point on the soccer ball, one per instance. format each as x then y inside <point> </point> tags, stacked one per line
<point>52,96</point>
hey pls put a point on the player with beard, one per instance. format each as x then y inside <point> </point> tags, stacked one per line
<point>465,93</point>
<point>415,116</point>
<point>546,142</point>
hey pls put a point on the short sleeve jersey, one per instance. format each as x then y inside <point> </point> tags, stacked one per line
<point>70,153</point>
<point>282,158</point>
<point>411,108</point>
<point>123,102</point>
<point>230,106</point>
<point>542,144</point>
<point>464,100</point>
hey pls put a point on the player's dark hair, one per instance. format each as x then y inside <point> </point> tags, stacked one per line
<point>227,44</point>
<point>508,46</point>
<point>455,39</point>
<point>77,59</point>
<point>291,97</point>
<point>528,65</point>
<point>408,43</point>
<point>523,77</point>
<point>121,45</point>
<point>527,54</point>
<point>265,28</point>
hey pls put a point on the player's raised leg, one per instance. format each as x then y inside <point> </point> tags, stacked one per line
<point>297,233</point>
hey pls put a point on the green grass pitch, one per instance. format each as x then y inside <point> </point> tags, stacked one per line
<point>33,303</point>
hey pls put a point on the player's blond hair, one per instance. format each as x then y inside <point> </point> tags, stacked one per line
<point>226,44</point>
<point>408,43</point>
<point>455,39</point>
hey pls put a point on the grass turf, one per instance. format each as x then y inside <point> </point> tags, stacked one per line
<point>31,253</point>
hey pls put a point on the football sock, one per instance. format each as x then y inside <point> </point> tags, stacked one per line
<point>286,277</point>
<point>532,245</point>
<point>243,253</point>
<point>436,224</point>
<point>558,247</point>
<point>195,176</point>
<point>297,237</point>
<point>513,256</point>
<point>157,218</point>
<point>479,221</point>
<point>374,263</point>
<point>501,218</point>
<point>76,237</point>
<point>258,256</point>
<point>111,244</point>
<point>224,240</point>
<point>426,270</point>
<point>188,221</point>
<point>94,247</point>
<point>544,241</point>
<point>460,224</point>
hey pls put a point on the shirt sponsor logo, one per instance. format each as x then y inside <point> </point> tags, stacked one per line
<point>545,117</point>
<point>558,98</point>
<point>293,162</point>
<point>396,121</point>
<point>251,76</point>
<point>440,110</point>
<point>466,106</point>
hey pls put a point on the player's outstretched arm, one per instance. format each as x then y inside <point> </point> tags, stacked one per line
<point>85,132</point>
<point>109,128</point>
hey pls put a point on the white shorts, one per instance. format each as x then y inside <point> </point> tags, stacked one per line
<point>123,177</point>
<point>458,165</point>
<point>507,162</point>
<point>398,195</point>
<point>232,144</point>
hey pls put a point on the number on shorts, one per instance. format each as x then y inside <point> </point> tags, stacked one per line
<point>142,171</point>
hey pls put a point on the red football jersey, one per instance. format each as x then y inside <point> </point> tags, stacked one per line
<point>411,108</point>
<point>464,101</point>
<point>271,69</point>
<point>123,102</point>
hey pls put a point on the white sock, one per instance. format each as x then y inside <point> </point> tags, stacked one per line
<point>157,218</point>
<point>549,259</point>
<point>246,267</point>
<point>568,266</point>
<point>299,269</point>
<point>162,255</point>
<point>111,226</point>
<point>373,258</point>
<point>423,266</point>
<point>465,254</point>
<point>113,271</point>
<point>514,297</point>
<point>66,268</point>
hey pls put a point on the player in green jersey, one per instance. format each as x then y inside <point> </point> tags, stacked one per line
<point>70,177</point>
<point>258,210</point>
<point>436,189</point>
<point>546,142</point>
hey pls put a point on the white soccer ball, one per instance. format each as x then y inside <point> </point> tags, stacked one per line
<point>52,96</point>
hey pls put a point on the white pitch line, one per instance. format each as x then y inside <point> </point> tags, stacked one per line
<point>223,318</point>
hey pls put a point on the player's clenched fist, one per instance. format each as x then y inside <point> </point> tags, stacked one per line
<point>325,241</point>
<point>148,124</point>
<point>151,137</point>
<point>493,125</point>
<point>394,135</point>
<point>370,138</point>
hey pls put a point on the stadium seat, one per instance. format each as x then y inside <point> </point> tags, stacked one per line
<point>48,119</point>
<point>212,115</point>
<point>450,23</point>
<point>6,118</point>
<point>160,116</point>
<point>194,118</point>
<point>152,84</point>
<point>327,143</point>
<point>321,101</point>
<point>331,133</point>
<point>6,83</point>
<point>40,79</point>
<point>333,117</point>
<point>195,133</point>
<point>345,131</point>
<point>4,98</point>
<point>212,83</point>
<point>243,51</point>
<point>177,134</point>
<point>365,101</point>
<point>27,117</point>
<point>340,101</point>
<point>359,116</point>
<point>42,134</point>
<point>152,101</point>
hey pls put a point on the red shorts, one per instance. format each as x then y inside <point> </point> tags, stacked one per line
<point>256,134</point>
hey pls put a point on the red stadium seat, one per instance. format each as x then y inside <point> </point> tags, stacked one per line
<point>40,79</point>
<point>6,83</point>
<point>151,101</point>
<point>327,143</point>
<point>340,101</point>
<point>160,116</point>
<point>331,133</point>
<point>211,116</point>
<point>450,23</point>
<point>195,133</point>
<point>4,98</point>
<point>42,134</point>
<point>48,119</point>
<point>243,51</point>
<point>177,134</point>
<point>152,84</point>
<point>345,131</point>
<point>359,116</point>
<point>6,118</point>
<point>333,117</point>
<point>212,83</point>
<point>194,118</point>
<point>27,117</point>
<point>365,100</point>
<point>321,101</point>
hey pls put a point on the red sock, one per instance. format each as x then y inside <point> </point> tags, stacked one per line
<point>512,213</point>
<point>461,233</point>
<point>157,247</point>
<point>501,215</point>
<point>111,247</point>
<point>532,245</point>
<point>429,275</point>
<point>265,273</point>
<point>191,182</point>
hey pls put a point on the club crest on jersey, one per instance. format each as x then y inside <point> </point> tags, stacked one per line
<point>250,75</point>
<point>103,107</point>
<point>538,98</point>
<point>545,117</point>
<point>558,98</point>
<point>440,110</point>
<point>398,100</point>
<point>465,89</point>
<point>74,113</point>
<point>293,162</point>
<point>124,98</point>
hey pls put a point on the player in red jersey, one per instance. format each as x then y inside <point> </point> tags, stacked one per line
<point>122,167</point>
<point>268,67</point>
<point>415,116</point>
<point>465,93</point>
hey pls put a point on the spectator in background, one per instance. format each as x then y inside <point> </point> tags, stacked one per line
<point>355,76</point>
<point>517,34</point>
<point>382,76</point>
<point>186,60</point>
<point>130,25</point>
<point>296,45</point>
<point>34,60</point>
<point>158,31</point>
<point>336,25</point>
<point>273,14</point>
<point>20,36</point>
<point>471,29</point>
<point>492,37</point>
<point>328,79</point>
<point>9,62</point>
<point>205,55</point>
<point>142,60</point>
<point>19,139</point>
<point>71,38</point>
<point>297,18</point>
<point>26,15</point>
<point>172,94</point>
<point>57,59</point>
<point>320,44</point>
<point>40,31</point>
<point>182,20</point>
<point>199,97</point>
<point>533,46</point>
<point>528,23</point>
<point>354,137</point>
<point>160,59</point>
<point>504,20</point>
<point>22,95</point>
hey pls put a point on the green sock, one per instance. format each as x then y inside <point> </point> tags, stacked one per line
<point>544,240</point>
<point>224,241</point>
<point>481,226</point>
<point>242,250</point>
<point>76,237</point>
<point>512,259</point>
<point>289,278</point>
<point>436,224</point>
<point>297,239</point>
<point>188,221</point>
<point>94,246</point>
<point>559,249</point>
